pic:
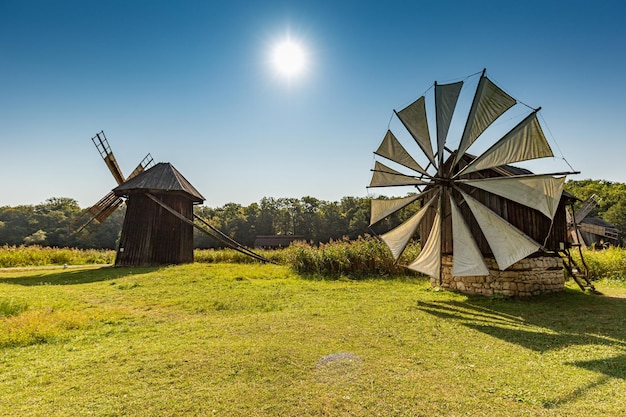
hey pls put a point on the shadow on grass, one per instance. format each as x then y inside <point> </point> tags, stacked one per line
<point>546,323</point>
<point>316,276</point>
<point>73,276</point>
<point>543,323</point>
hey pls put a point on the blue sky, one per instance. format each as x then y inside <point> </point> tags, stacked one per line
<point>191,82</point>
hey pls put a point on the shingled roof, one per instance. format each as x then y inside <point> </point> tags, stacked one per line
<point>162,177</point>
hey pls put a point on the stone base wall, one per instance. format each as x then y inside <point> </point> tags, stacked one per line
<point>528,277</point>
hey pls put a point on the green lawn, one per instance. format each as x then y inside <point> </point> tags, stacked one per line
<point>259,340</point>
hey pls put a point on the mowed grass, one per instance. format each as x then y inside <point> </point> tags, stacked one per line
<point>260,340</point>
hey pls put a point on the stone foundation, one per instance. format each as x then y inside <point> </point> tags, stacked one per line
<point>528,277</point>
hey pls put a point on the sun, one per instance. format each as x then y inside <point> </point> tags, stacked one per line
<point>289,58</point>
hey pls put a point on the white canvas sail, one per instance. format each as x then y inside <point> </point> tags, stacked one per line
<point>490,102</point>
<point>524,142</point>
<point>387,177</point>
<point>507,243</point>
<point>467,260</point>
<point>397,239</point>
<point>540,192</point>
<point>393,150</point>
<point>413,117</point>
<point>446,97</point>
<point>381,208</point>
<point>429,260</point>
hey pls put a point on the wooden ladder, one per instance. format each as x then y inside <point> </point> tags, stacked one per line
<point>578,273</point>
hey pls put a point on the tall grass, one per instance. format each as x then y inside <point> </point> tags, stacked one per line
<point>23,256</point>
<point>364,256</point>
<point>608,263</point>
<point>233,256</point>
<point>10,308</point>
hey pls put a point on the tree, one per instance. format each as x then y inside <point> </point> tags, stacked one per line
<point>267,214</point>
<point>311,221</point>
<point>37,238</point>
<point>19,222</point>
<point>318,221</point>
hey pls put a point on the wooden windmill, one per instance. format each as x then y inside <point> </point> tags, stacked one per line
<point>159,221</point>
<point>591,231</point>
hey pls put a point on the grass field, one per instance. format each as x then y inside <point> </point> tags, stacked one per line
<point>260,340</point>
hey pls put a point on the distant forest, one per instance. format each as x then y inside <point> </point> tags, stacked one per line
<point>53,222</point>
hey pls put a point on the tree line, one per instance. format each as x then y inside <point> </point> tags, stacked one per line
<point>53,222</point>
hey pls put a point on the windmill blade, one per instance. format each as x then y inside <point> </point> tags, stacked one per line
<point>102,144</point>
<point>524,142</point>
<point>413,117</point>
<point>490,102</point>
<point>145,163</point>
<point>446,97</point>
<point>397,239</point>
<point>467,261</point>
<point>393,150</point>
<point>383,208</point>
<point>100,211</point>
<point>587,207</point>
<point>386,177</point>
<point>429,260</point>
<point>540,192</point>
<point>507,243</point>
<point>605,231</point>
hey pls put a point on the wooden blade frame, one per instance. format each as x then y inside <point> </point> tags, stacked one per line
<point>145,163</point>
<point>102,144</point>
<point>100,211</point>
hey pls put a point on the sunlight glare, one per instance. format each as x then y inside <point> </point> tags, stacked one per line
<point>289,58</point>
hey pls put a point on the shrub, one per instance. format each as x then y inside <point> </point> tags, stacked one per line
<point>364,256</point>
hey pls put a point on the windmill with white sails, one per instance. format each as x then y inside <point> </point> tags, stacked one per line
<point>473,207</point>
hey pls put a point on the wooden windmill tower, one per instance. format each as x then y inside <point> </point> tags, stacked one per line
<point>155,231</point>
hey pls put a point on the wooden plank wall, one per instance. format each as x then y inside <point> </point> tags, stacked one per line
<point>153,236</point>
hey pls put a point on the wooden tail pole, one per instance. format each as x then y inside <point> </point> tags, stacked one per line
<point>213,232</point>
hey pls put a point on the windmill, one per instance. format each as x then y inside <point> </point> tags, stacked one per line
<point>473,207</point>
<point>589,231</point>
<point>159,220</point>
<point>100,211</point>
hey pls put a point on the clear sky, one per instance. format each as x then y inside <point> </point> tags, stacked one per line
<point>192,82</point>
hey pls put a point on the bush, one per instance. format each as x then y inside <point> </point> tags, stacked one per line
<point>364,256</point>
